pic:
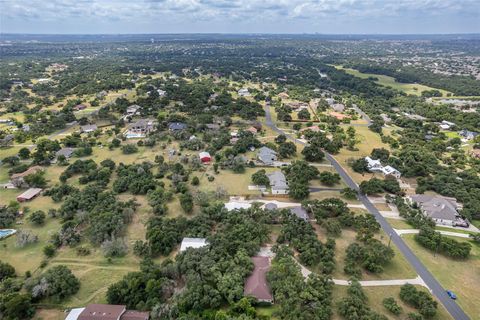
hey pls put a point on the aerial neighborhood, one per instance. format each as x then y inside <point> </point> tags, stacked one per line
<point>253,177</point>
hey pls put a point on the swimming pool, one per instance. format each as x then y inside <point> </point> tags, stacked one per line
<point>6,232</point>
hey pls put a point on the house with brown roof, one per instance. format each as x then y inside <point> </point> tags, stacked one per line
<point>256,284</point>
<point>106,312</point>
<point>18,180</point>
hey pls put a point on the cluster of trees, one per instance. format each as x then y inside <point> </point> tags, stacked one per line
<point>301,236</point>
<point>297,297</point>
<point>134,178</point>
<point>286,149</point>
<point>435,241</point>
<point>298,174</point>
<point>211,277</point>
<point>355,305</point>
<point>375,186</point>
<point>372,255</point>
<point>89,171</point>
<point>419,299</point>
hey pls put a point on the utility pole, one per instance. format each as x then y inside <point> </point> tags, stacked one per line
<point>390,239</point>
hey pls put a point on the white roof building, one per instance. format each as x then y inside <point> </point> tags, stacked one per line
<point>236,205</point>
<point>376,166</point>
<point>243,92</point>
<point>192,243</point>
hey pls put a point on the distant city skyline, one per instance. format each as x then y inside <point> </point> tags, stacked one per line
<point>235,16</point>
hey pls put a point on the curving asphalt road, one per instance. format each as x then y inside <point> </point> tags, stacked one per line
<point>435,287</point>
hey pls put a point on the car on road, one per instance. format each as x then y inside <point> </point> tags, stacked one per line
<point>452,295</point>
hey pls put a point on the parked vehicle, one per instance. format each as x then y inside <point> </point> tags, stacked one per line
<point>452,295</point>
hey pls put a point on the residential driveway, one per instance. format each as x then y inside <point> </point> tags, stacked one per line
<point>446,233</point>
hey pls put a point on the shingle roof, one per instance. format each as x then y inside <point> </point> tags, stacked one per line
<point>102,312</point>
<point>437,207</point>
<point>278,181</point>
<point>256,284</point>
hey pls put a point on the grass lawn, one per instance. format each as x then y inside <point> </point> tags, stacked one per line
<point>386,81</point>
<point>375,297</point>
<point>462,277</point>
<point>398,268</point>
<point>399,224</point>
<point>368,140</point>
<point>49,314</point>
<point>267,311</point>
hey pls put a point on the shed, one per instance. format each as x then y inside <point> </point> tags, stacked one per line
<point>29,194</point>
<point>205,157</point>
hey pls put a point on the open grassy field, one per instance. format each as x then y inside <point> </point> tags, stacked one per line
<point>398,268</point>
<point>460,276</point>
<point>386,81</point>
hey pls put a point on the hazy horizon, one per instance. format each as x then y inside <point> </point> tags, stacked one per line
<point>363,17</point>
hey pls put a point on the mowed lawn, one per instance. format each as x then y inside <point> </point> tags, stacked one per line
<point>398,268</point>
<point>368,140</point>
<point>460,276</point>
<point>387,81</point>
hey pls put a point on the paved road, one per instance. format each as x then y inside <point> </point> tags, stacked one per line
<point>435,287</point>
<point>447,233</point>
<point>53,135</point>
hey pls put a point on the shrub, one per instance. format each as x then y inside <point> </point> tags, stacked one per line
<point>24,238</point>
<point>114,248</point>
<point>391,305</point>
<point>49,250</point>
<point>37,217</point>
<point>129,149</point>
<point>6,271</point>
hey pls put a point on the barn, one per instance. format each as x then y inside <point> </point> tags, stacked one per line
<point>29,194</point>
<point>205,156</point>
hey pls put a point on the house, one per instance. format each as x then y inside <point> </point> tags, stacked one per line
<point>446,125</point>
<point>237,205</point>
<point>257,125</point>
<point>441,210</point>
<point>18,180</point>
<point>270,206</point>
<point>88,128</point>
<point>330,101</point>
<point>177,126</point>
<point>79,107</point>
<point>278,182</point>
<point>376,166</point>
<point>243,92</point>
<point>468,135</point>
<point>161,93</point>
<point>312,128</point>
<point>385,118</point>
<point>205,156</point>
<point>338,107</point>
<point>7,140</point>
<point>300,212</point>
<point>193,243</point>
<point>391,171</point>
<point>253,130</point>
<point>66,152</point>
<point>267,156</point>
<point>140,129</point>
<point>256,284</point>
<point>338,115</point>
<point>133,110</point>
<point>106,312</point>
<point>29,194</point>
<point>373,165</point>
<point>283,95</point>
<point>26,128</point>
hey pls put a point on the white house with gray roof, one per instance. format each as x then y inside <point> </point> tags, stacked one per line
<point>267,156</point>
<point>278,182</point>
<point>442,210</point>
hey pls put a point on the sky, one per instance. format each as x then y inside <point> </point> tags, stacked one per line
<point>240,16</point>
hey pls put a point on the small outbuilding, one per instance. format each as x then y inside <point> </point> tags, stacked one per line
<point>193,243</point>
<point>205,157</point>
<point>29,194</point>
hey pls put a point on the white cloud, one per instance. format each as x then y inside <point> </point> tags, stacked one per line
<point>190,12</point>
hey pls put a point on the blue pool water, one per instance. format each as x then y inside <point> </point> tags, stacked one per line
<point>6,232</point>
